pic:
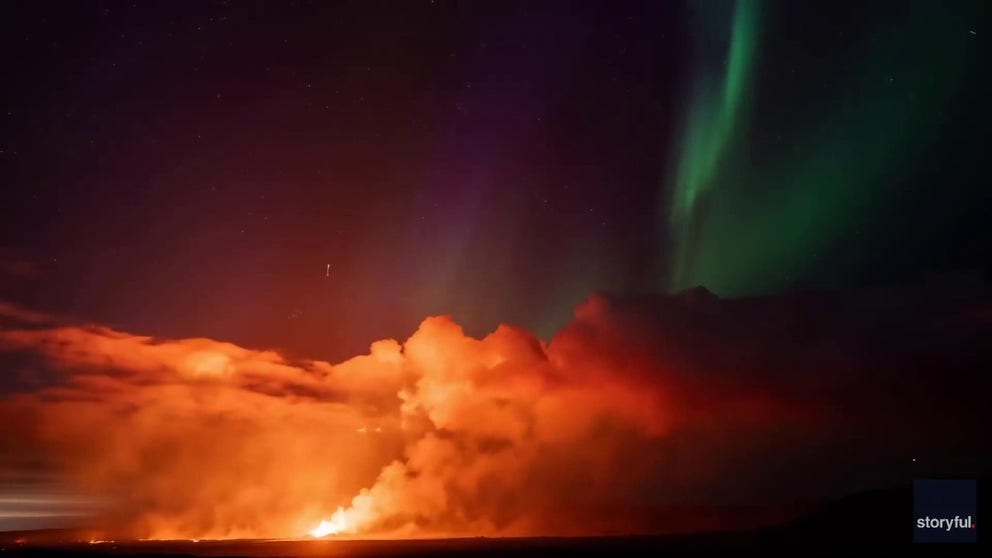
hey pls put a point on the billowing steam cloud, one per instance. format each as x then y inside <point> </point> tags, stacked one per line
<point>641,415</point>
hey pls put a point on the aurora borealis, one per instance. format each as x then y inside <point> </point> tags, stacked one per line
<point>472,269</point>
<point>493,162</point>
<point>713,122</point>
<point>762,202</point>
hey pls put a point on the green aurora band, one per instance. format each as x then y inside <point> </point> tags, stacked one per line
<point>712,123</point>
<point>748,216</point>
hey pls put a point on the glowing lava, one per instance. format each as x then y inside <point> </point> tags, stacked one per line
<point>338,524</point>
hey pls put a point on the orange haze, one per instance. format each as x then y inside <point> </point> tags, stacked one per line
<point>441,435</point>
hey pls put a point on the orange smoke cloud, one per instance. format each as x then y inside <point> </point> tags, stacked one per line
<point>616,420</point>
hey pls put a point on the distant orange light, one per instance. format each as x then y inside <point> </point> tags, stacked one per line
<point>338,523</point>
<point>208,364</point>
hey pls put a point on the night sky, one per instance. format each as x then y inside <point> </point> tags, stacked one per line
<point>193,168</point>
<point>607,267</point>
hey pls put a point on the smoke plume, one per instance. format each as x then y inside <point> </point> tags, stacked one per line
<point>652,414</point>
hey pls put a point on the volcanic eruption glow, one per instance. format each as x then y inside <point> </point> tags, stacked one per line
<point>625,415</point>
<point>337,524</point>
